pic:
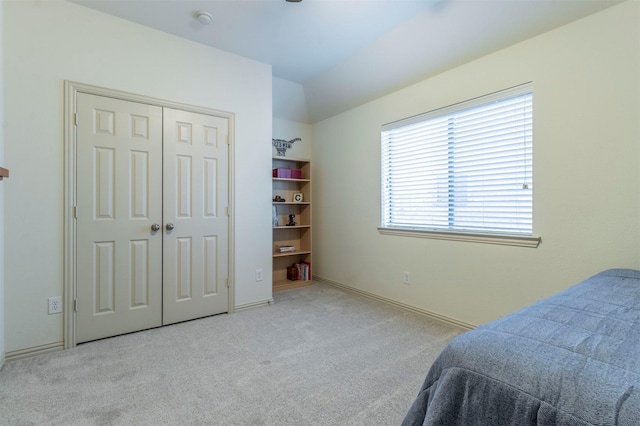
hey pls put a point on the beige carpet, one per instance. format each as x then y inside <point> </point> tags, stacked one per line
<point>317,356</point>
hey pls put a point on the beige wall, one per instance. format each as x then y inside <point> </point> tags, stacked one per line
<point>48,42</point>
<point>287,130</point>
<point>586,83</point>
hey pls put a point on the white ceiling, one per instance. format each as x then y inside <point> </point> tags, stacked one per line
<point>346,52</point>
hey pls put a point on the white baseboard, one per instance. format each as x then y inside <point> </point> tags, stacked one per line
<point>253,305</point>
<point>414,309</point>
<point>53,347</point>
<point>36,350</point>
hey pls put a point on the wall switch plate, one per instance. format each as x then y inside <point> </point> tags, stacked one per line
<point>405,278</point>
<point>259,275</point>
<point>55,305</point>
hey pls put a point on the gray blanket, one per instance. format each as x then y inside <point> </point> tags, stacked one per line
<point>571,359</point>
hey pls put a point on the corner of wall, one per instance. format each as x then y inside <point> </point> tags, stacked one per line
<point>2,350</point>
<point>289,101</point>
<point>288,130</point>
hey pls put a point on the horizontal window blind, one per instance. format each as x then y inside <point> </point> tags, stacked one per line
<point>465,168</point>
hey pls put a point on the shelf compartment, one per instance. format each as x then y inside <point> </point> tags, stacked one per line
<point>285,188</point>
<point>301,210</point>
<point>280,264</point>
<point>300,238</point>
<point>292,163</point>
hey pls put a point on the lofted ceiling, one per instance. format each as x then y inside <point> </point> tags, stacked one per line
<point>347,52</point>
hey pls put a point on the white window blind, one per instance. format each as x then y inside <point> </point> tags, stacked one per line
<point>465,168</point>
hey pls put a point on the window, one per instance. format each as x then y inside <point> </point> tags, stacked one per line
<point>463,169</point>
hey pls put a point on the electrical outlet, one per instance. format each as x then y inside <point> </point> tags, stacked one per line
<point>405,278</point>
<point>259,275</point>
<point>55,305</point>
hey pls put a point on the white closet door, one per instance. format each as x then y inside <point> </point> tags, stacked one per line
<point>195,254</point>
<point>119,198</point>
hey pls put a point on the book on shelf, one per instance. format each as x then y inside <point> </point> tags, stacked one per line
<point>299,272</point>
<point>286,173</point>
<point>285,249</point>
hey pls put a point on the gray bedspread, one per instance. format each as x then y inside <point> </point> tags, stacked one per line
<point>571,359</point>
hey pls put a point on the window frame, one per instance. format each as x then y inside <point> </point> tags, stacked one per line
<point>489,237</point>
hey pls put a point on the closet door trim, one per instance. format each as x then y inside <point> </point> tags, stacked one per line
<point>71,89</point>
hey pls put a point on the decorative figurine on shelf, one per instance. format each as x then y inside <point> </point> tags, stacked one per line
<point>281,145</point>
<point>291,222</point>
<point>278,199</point>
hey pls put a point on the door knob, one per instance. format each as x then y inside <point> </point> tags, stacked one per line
<point>170,226</point>
<point>155,227</point>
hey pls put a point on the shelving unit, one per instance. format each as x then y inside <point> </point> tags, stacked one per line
<point>298,235</point>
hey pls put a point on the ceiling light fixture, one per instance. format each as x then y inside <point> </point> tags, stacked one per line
<point>293,1</point>
<point>205,18</point>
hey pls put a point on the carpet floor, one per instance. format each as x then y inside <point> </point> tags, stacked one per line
<point>316,356</point>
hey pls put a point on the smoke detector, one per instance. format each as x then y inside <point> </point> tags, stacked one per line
<point>205,18</point>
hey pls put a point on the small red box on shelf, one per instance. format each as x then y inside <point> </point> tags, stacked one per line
<point>296,174</point>
<point>281,173</point>
<point>292,273</point>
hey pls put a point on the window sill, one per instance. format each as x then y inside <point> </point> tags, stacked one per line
<point>508,240</point>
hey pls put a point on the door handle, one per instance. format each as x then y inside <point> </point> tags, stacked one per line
<point>155,227</point>
<point>170,226</point>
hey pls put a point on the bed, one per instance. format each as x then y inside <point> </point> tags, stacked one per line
<point>571,359</point>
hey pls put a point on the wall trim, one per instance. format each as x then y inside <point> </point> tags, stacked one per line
<point>252,305</point>
<point>35,350</point>
<point>71,89</point>
<point>424,312</point>
<point>500,239</point>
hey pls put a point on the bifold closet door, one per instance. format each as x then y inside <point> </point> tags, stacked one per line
<point>196,218</point>
<point>119,203</point>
